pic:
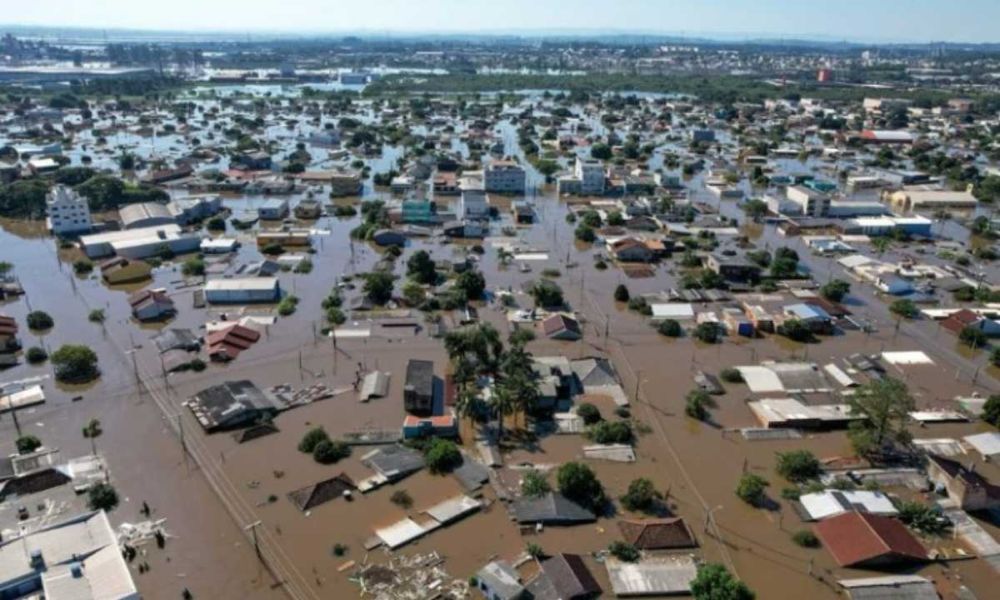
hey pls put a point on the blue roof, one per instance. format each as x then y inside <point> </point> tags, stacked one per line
<point>807,311</point>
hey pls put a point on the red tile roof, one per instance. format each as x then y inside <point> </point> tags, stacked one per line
<point>8,326</point>
<point>857,538</point>
<point>657,534</point>
<point>228,343</point>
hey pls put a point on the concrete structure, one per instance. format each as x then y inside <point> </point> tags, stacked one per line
<point>194,208</point>
<point>67,211</point>
<point>970,490</point>
<point>661,576</point>
<point>418,391</point>
<point>75,559</point>
<point>242,290</point>
<point>504,176</point>
<point>140,243</point>
<point>829,503</point>
<point>933,199</point>
<point>499,581</point>
<point>810,202</point>
<point>145,214</point>
<point>473,204</point>
<point>273,210</point>
<point>232,405</point>
<point>890,587</point>
<point>587,178</point>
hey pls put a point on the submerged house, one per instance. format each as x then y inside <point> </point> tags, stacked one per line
<point>418,391</point>
<point>232,405</point>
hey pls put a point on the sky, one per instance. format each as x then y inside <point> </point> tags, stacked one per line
<point>854,20</point>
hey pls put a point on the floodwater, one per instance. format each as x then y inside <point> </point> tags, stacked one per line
<point>236,485</point>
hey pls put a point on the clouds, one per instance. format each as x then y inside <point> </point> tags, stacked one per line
<point>869,20</point>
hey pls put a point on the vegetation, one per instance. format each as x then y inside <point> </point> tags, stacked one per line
<point>402,499</point>
<point>641,495</point>
<point>752,488</point>
<point>421,268</point>
<point>706,332</point>
<point>589,413</point>
<point>669,328</point>
<point>82,266</point>
<point>805,539</point>
<point>311,438</point>
<point>327,452</point>
<point>39,320</point>
<point>442,456</point>
<point>472,283</point>
<point>36,355</point>
<point>193,267</point>
<point>798,465</point>
<point>610,432</point>
<point>904,308</point>
<point>621,293</point>
<point>835,290</point>
<point>795,330</point>
<point>578,482</point>
<point>547,294</point>
<point>378,287</point>
<point>973,337</point>
<point>288,305</point>
<point>731,375</point>
<point>623,551</point>
<point>96,315</point>
<point>102,496</point>
<point>884,406</point>
<point>75,364</point>
<point>534,484</point>
<point>697,404</point>
<point>26,444</point>
<point>714,582</point>
<point>991,411</point>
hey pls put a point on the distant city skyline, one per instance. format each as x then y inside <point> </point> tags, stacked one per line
<point>886,21</point>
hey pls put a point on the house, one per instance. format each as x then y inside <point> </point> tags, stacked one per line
<point>275,209</point>
<point>961,319</point>
<point>869,136</point>
<point>890,587</point>
<point>226,344</point>
<point>523,211</point>
<point>393,463</point>
<point>242,290</point>
<point>473,203</point>
<point>808,202</point>
<point>550,509</point>
<point>255,161</point>
<point>321,492</point>
<point>931,199</point>
<point>176,339</point>
<point>964,485</point>
<point>733,268</point>
<point>464,229</point>
<point>587,178</point>
<point>141,243</point>
<point>232,405</point>
<point>8,335</point>
<point>822,505</point>
<point>657,534</point>
<point>151,305</point>
<point>419,212</point>
<point>67,212</point>
<point>74,558</point>
<point>194,208</point>
<point>418,391</point>
<point>389,237</point>
<point>436,426</point>
<point>630,250</point>
<point>869,541</point>
<point>308,209</point>
<point>499,581</point>
<point>563,577</point>
<point>814,317</point>
<point>986,444</point>
<point>894,286</point>
<point>659,576</point>
<point>162,176</point>
<point>562,327</point>
<point>504,176</point>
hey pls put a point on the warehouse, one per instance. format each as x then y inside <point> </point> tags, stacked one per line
<point>145,214</point>
<point>140,243</point>
<point>242,290</point>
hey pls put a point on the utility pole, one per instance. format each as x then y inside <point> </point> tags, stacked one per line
<point>252,527</point>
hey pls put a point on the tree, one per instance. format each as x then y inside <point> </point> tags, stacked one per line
<point>421,268</point>
<point>697,403</point>
<point>534,484</point>
<point>577,482</point>
<point>311,438</point>
<point>798,465</point>
<point>97,316</point>
<point>751,488</point>
<point>669,328</point>
<point>75,364</point>
<point>641,495</point>
<point>547,294</point>
<point>36,355</point>
<point>102,496</point>
<point>973,336</point>
<point>472,283</point>
<point>39,320</point>
<point>835,290</point>
<point>585,233</point>
<point>922,517</point>
<point>611,432</point>
<point>796,330</point>
<point>706,332</point>
<point>26,444</point>
<point>784,267</point>
<point>904,308</point>
<point>327,452</point>
<point>731,375</point>
<point>600,152</point>
<point>624,551</point>
<point>883,406</point>
<point>378,287</point>
<point>91,432</point>
<point>991,410</point>
<point>805,538</point>
<point>714,582</point>
<point>413,293</point>
<point>442,456</point>
<point>193,267</point>
<point>621,293</point>
<point>589,413</point>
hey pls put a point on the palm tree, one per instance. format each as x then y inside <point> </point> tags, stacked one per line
<point>91,432</point>
<point>502,404</point>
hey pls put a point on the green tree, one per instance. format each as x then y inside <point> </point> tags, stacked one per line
<point>835,290</point>
<point>798,465</point>
<point>75,364</point>
<point>102,496</point>
<point>991,410</point>
<point>578,482</point>
<point>589,413</point>
<point>311,438</point>
<point>714,582</point>
<point>795,330</point>
<point>669,328</point>
<point>706,332</point>
<point>327,452</point>
<point>39,320</point>
<point>378,287</point>
<point>534,484</point>
<point>36,355</point>
<point>883,406</point>
<point>624,551</point>
<point>421,267</point>
<point>641,495</point>
<point>442,456</point>
<point>904,308</point>
<point>973,337</point>
<point>601,152</point>
<point>611,432</point>
<point>26,444</point>
<point>697,404</point>
<point>91,431</point>
<point>751,489</point>
<point>621,293</point>
<point>547,294</point>
<point>193,267</point>
<point>472,283</point>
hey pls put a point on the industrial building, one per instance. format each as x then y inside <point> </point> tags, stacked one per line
<point>242,290</point>
<point>140,243</point>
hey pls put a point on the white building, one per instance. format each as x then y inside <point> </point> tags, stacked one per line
<point>810,202</point>
<point>504,176</point>
<point>67,211</point>
<point>140,243</point>
<point>242,290</point>
<point>473,204</point>
<point>587,178</point>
